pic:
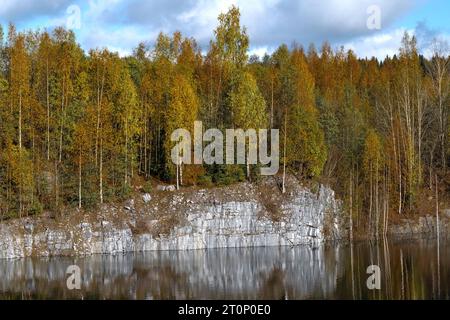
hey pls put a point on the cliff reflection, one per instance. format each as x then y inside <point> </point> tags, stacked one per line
<point>408,271</point>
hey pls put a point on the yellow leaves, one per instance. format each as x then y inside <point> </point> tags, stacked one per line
<point>21,168</point>
<point>232,40</point>
<point>247,104</point>
<point>304,82</point>
<point>3,86</point>
<point>182,111</point>
<point>19,70</point>
<point>372,157</point>
<point>183,106</point>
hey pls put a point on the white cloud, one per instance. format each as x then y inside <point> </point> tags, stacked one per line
<point>378,45</point>
<point>121,24</point>
<point>269,22</point>
<point>16,11</point>
<point>260,51</point>
<point>122,40</point>
<point>388,44</point>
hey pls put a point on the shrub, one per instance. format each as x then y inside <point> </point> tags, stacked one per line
<point>147,187</point>
<point>36,208</point>
<point>205,180</point>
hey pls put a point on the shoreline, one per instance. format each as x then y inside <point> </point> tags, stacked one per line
<point>230,217</point>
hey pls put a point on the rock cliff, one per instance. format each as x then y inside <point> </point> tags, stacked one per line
<point>241,216</point>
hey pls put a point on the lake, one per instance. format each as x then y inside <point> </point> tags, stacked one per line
<point>408,270</point>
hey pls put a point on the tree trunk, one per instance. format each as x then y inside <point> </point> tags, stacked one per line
<point>79,181</point>
<point>20,120</point>
<point>178,169</point>
<point>385,200</point>
<point>351,207</point>
<point>248,170</point>
<point>99,106</point>
<point>284,155</point>
<point>56,186</point>
<point>146,169</point>
<point>178,177</point>
<point>126,152</point>
<point>101,172</point>
<point>399,180</point>
<point>271,105</point>
<point>377,211</point>
<point>181,173</point>
<point>61,123</point>
<point>48,114</point>
<point>20,153</point>
<point>370,201</point>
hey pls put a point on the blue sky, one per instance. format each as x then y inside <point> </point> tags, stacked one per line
<point>436,14</point>
<point>121,24</point>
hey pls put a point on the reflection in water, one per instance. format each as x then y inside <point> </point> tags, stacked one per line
<point>408,271</point>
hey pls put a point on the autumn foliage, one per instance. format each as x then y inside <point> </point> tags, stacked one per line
<point>77,127</point>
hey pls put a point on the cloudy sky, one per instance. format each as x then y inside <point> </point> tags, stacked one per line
<point>121,24</point>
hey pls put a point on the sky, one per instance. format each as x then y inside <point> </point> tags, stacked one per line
<point>368,27</point>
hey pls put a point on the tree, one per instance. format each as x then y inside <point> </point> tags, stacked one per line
<point>98,68</point>
<point>182,112</point>
<point>231,48</point>
<point>80,146</point>
<point>129,115</point>
<point>231,40</point>
<point>283,95</point>
<point>19,75</point>
<point>21,174</point>
<point>439,69</point>
<point>44,69</point>
<point>76,128</point>
<point>372,164</point>
<point>248,108</point>
<point>305,148</point>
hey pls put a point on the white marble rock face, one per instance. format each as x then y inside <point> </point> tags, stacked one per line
<point>227,224</point>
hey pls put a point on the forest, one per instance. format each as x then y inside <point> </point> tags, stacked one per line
<point>79,129</point>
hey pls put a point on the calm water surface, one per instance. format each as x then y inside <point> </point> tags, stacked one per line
<point>409,270</point>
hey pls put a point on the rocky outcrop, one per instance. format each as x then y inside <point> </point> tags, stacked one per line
<point>424,226</point>
<point>238,224</point>
<point>204,219</point>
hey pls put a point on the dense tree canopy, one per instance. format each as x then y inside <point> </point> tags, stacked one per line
<point>77,129</point>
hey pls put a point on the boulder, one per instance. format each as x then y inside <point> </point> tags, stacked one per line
<point>171,188</point>
<point>28,226</point>
<point>129,205</point>
<point>146,197</point>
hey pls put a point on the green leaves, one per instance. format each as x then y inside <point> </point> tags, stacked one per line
<point>232,40</point>
<point>75,127</point>
<point>247,104</point>
<point>305,146</point>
